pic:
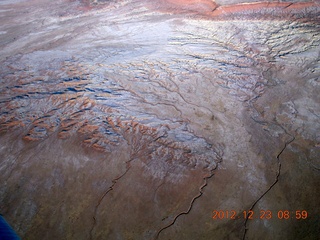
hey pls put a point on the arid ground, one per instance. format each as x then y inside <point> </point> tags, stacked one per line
<point>167,120</point>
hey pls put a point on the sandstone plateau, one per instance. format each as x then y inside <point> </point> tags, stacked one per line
<point>169,119</point>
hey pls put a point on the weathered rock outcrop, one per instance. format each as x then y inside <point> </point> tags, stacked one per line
<point>137,119</point>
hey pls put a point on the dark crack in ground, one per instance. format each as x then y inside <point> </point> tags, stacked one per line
<point>190,206</point>
<point>271,186</point>
<point>91,89</point>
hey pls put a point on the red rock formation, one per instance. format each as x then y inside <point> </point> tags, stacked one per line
<point>196,6</point>
<point>114,116</point>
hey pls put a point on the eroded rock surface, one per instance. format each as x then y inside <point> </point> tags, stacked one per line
<point>138,119</point>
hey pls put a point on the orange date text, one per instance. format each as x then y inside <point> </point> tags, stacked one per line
<point>262,214</point>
